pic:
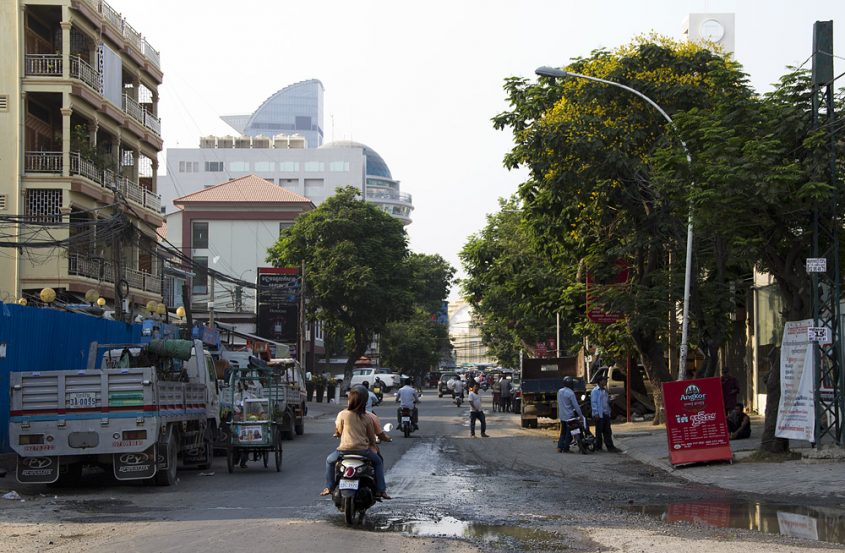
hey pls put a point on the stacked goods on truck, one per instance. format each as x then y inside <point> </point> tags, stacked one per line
<point>138,409</point>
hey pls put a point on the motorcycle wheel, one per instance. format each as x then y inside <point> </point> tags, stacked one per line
<point>349,510</point>
<point>582,447</point>
<point>406,428</point>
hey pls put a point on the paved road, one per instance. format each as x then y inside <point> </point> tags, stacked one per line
<point>511,492</point>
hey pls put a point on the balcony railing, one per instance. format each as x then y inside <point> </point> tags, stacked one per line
<point>133,37</point>
<point>152,122</point>
<point>133,108</point>
<point>51,162</point>
<point>102,271</point>
<point>43,65</point>
<point>385,194</point>
<point>80,69</point>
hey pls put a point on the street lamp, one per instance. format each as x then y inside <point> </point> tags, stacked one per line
<point>554,73</point>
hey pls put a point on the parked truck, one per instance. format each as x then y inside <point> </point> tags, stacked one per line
<point>541,380</point>
<point>137,409</point>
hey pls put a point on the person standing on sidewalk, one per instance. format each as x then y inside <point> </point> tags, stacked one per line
<point>506,388</point>
<point>600,406</point>
<point>475,412</point>
<point>567,408</point>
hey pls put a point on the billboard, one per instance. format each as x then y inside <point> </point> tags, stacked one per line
<point>696,427</point>
<point>277,316</point>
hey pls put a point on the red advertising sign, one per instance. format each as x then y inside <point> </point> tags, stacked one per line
<point>596,311</point>
<point>695,421</point>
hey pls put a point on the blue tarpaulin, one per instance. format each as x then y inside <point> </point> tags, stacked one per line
<point>43,339</point>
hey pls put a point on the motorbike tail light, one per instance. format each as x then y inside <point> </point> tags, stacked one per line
<point>349,472</point>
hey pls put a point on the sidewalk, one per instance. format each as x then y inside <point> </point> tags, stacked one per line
<point>812,475</point>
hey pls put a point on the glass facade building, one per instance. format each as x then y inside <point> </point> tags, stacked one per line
<point>295,109</point>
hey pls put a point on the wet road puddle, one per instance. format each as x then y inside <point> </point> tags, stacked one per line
<point>491,534</point>
<point>809,523</point>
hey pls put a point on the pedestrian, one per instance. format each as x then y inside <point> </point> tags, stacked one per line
<point>600,406</point>
<point>730,389</point>
<point>567,408</point>
<point>505,386</point>
<point>739,425</point>
<point>475,412</point>
<point>497,395</point>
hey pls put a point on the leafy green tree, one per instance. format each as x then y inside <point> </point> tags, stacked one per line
<point>595,153</point>
<point>416,344</point>
<point>355,264</point>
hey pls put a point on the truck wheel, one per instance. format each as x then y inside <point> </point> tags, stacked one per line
<point>209,454</point>
<point>299,427</point>
<point>168,476</point>
<point>287,427</point>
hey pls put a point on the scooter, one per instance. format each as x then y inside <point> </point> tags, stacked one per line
<point>459,398</point>
<point>355,485</point>
<point>581,435</point>
<point>379,394</point>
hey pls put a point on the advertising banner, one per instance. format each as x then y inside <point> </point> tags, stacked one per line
<point>695,421</point>
<point>796,410</point>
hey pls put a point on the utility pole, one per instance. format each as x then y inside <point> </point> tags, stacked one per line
<point>824,265</point>
<point>210,301</point>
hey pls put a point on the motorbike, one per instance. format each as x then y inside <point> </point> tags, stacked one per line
<point>581,435</point>
<point>355,485</point>
<point>459,398</point>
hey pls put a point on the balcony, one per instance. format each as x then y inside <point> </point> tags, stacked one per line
<point>103,271</point>
<point>129,34</point>
<point>385,194</point>
<point>51,162</point>
<point>50,65</point>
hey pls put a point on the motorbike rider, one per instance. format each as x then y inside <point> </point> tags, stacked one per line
<point>372,399</point>
<point>567,408</point>
<point>357,436</point>
<point>458,388</point>
<point>407,398</point>
<point>378,388</point>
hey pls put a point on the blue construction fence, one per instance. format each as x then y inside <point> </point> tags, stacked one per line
<point>43,339</point>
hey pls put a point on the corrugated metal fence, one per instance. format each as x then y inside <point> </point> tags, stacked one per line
<point>37,339</point>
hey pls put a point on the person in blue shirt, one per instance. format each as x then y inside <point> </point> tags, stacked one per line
<point>567,408</point>
<point>600,406</point>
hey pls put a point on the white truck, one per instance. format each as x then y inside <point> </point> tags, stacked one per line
<point>391,380</point>
<point>139,411</point>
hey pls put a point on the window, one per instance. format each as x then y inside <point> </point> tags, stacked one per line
<point>314,166</point>
<point>4,102</point>
<point>289,183</point>
<point>314,186</point>
<point>270,180</point>
<point>189,166</point>
<point>289,166</point>
<point>265,166</point>
<point>44,205</point>
<point>199,236</point>
<point>4,203</point>
<point>238,166</point>
<point>303,123</point>
<point>214,166</point>
<point>200,284</point>
<point>339,166</point>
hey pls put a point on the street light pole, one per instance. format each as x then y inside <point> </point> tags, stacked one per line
<point>560,73</point>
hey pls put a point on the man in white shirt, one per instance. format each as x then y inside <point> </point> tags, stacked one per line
<point>475,412</point>
<point>408,398</point>
<point>567,408</point>
<point>457,388</point>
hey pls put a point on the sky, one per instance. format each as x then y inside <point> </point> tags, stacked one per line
<point>420,81</point>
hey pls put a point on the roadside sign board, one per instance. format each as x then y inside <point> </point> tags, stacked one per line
<point>816,264</point>
<point>820,334</point>
<point>696,428</point>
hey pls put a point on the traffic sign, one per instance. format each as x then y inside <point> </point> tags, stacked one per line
<point>816,264</point>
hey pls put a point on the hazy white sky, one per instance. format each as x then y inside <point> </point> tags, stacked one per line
<point>419,81</point>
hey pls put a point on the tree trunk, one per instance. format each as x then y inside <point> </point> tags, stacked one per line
<point>362,342</point>
<point>768,441</point>
<point>651,355</point>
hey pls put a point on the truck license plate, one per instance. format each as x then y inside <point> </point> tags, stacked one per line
<point>348,484</point>
<point>79,400</point>
<point>406,419</point>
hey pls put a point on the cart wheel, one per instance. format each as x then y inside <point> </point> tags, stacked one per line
<point>278,454</point>
<point>230,459</point>
<point>266,458</point>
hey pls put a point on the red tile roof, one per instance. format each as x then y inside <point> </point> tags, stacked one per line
<point>249,189</point>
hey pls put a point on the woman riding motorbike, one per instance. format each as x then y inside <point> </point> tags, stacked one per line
<point>357,436</point>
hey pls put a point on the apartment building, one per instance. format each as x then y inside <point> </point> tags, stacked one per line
<point>81,136</point>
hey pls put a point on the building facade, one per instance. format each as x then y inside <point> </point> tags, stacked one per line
<point>315,173</point>
<point>81,137</point>
<point>466,335</point>
<point>295,109</point>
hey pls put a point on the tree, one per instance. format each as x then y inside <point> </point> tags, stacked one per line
<point>414,345</point>
<point>355,267</point>
<point>417,343</point>
<point>594,152</point>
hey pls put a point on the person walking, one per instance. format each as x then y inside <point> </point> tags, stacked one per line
<point>505,388</point>
<point>475,412</point>
<point>567,408</point>
<point>497,394</point>
<point>600,406</point>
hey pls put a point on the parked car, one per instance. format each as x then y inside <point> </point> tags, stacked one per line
<point>391,380</point>
<point>443,384</point>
